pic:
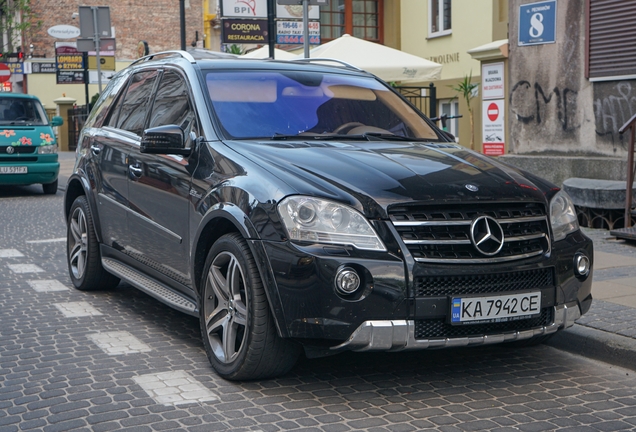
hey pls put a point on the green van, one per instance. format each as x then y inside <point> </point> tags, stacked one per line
<point>28,148</point>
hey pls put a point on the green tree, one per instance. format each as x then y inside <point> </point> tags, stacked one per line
<point>466,89</point>
<point>16,20</point>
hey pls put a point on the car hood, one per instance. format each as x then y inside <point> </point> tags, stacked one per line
<point>374,175</point>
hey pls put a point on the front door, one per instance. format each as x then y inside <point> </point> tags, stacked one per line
<point>159,188</point>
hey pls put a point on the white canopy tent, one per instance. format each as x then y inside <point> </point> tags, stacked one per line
<point>385,62</point>
<point>263,52</point>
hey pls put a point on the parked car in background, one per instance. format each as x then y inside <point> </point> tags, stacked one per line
<point>297,205</point>
<point>28,147</point>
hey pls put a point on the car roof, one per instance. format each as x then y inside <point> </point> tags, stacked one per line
<point>17,95</point>
<point>207,59</point>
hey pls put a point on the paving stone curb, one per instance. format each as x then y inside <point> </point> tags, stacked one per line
<point>598,345</point>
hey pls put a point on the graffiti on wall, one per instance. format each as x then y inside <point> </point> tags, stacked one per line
<point>532,104</point>
<point>614,104</point>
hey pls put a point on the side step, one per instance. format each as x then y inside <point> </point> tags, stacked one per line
<point>151,287</point>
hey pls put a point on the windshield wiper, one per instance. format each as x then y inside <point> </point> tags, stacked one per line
<point>283,137</point>
<point>367,136</point>
<point>393,137</point>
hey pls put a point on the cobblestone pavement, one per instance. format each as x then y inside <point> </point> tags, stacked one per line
<point>120,360</point>
<point>610,316</point>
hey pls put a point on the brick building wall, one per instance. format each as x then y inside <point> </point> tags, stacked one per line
<point>156,22</point>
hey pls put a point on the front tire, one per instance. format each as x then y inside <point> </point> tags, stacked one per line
<point>50,188</point>
<point>82,250</point>
<point>238,329</point>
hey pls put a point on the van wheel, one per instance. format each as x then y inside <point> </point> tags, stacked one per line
<point>82,250</point>
<point>238,329</point>
<point>50,188</point>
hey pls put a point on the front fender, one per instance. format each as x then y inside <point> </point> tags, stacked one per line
<point>224,218</point>
<point>79,185</point>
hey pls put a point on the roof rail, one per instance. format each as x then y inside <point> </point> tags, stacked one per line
<point>345,64</point>
<point>165,54</point>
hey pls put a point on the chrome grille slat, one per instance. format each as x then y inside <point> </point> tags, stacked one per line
<point>436,241</point>
<point>441,234</point>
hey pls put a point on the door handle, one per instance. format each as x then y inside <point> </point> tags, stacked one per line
<point>96,150</point>
<point>135,170</point>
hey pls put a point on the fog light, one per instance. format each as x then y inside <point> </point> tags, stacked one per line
<point>581,265</point>
<point>347,280</point>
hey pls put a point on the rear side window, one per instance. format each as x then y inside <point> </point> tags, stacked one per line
<point>100,109</point>
<point>135,105</point>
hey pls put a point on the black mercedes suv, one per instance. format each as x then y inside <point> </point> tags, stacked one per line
<point>304,205</point>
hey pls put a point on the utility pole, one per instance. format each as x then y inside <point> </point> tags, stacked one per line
<point>97,47</point>
<point>271,26</point>
<point>183,24</point>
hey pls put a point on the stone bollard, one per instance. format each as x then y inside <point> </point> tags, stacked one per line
<point>64,104</point>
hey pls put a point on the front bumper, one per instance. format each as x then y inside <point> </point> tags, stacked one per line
<point>399,335</point>
<point>408,303</point>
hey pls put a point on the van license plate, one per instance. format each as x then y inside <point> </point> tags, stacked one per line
<point>477,310</point>
<point>13,170</point>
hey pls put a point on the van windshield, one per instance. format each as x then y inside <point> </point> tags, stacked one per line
<point>16,111</point>
<point>257,104</point>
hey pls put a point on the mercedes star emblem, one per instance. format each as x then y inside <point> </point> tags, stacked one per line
<point>10,150</point>
<point>487,235</point>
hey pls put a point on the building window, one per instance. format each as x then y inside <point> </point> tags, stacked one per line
<point>450,108</point>
<point>610,53</point>
<point>439,18</point>
<point>359,18</point>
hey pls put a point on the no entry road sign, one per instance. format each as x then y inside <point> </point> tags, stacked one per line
<point>5,73</point>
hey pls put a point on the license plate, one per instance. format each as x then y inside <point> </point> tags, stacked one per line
<point>13,170</point>
<point>469,310</point>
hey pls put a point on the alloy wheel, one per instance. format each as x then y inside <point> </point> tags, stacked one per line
<point>78,249</point>
<point>226,307</point>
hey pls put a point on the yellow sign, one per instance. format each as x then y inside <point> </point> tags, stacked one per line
<point>106,62</point>
<point>69,62</point>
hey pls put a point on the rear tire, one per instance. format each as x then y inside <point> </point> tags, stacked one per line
<point>237,326</point>
<point>50,188</point>
<point>82,250</point>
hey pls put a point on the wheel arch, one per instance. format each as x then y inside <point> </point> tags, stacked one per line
<point>228,218</point>
<point>75,187</point>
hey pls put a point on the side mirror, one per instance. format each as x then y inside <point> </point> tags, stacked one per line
<point>168,139</point>
<point>57,121</point>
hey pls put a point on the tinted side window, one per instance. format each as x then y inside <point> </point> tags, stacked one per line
<point>172,104</point>
<point>99,111</point>
<point>135,105</point>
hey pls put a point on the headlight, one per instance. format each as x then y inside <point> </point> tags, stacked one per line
<point>47,149</point>
<point>562,215</point>
<point>321,221</point>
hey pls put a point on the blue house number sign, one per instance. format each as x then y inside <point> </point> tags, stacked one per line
<point>537,23</point>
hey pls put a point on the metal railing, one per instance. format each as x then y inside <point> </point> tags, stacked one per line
<point>76,119</point>
<point>630,168</point>
<point>424,98</point>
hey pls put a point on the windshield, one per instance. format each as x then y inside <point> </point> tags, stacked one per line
<point>256,104</point>
<point>21,111</point>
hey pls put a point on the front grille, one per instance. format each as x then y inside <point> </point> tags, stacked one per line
<point>439,328</point>
<point>18,159</point>
<point>18,149</point>
<point>483,283</point>
<point>442,234</point>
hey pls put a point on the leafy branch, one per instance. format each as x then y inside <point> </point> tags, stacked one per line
<point>466,89</point>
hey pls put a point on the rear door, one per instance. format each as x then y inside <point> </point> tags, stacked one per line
<point>110,147</point>
<point>159,186</point>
